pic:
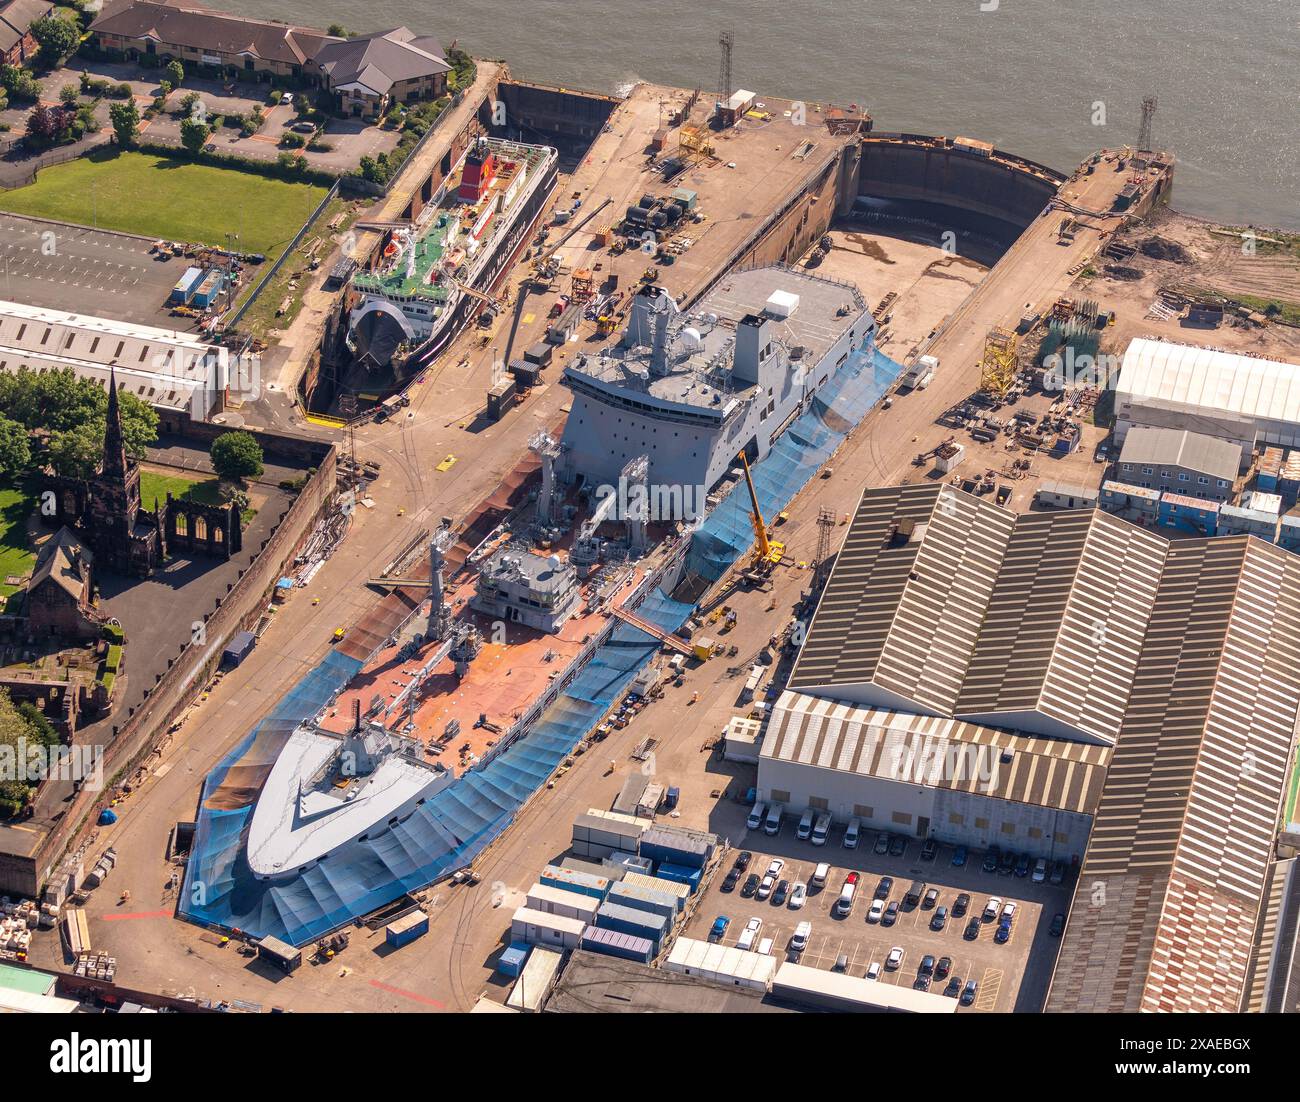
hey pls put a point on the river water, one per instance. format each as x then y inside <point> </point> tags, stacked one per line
<point>1052,80</point>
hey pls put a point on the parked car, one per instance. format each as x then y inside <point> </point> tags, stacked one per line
<point>844,904</point>
<point>304,127</point>
<point>775,866</point>
<point>766,887</point>
<point>943,967</point>
<point>873,970</point>
<point>1008,911</point>
<point>821,830</point>
<point>1057,928</point>
<point>805,827</point>
<point>852,833</point>
<point>990,862</point>
<point>961,905</point>
<point>968,992</point>
<point>931,898</point>
<point>897,845</point>
<point>841,963</point>
<point>1023,865</point>
<point>895,958</point>
<point>1040,870</point>
<point>820,873</point>
<point>877,910</point>
<point>798,895</point>
<point>926,967</point>
<point>732,879</point>
<point>921,983</point>
<point>1058,873</point>
<point>1007,864</point>
<point>756,817</point>
<point>743,860</point>
<point>750,886</point>
<point>928,849</point>
<point>885,886</point>
<point>992,908</point>
<point>719,928</point>
<point>959,857</point>
<point>1002,934</point>
<point>799,939</point>
<point>286,100</point>
<point>882,843</point>
<point>749,935</point>
<point>972,929</point>
<point>891,913</point>
<point>939,919</point>
<point>781,894</point>
<point>953,990</point>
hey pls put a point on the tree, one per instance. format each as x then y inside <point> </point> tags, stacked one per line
<point>125,118</point>
<point>21,728</point>
<point>337,30</point>
<point>236,456</point>
<point>139,423</point>
<point>15,448</point>
<point>175,73</point>
<point>57,37</point>
<point>75,452</point>
<point>194,134</point>
<point>69,95</point>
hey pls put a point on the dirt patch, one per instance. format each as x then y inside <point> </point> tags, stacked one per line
<point>1118,271</point>
<point>1160,248</point>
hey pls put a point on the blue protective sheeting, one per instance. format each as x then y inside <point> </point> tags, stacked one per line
<point>450,830</point>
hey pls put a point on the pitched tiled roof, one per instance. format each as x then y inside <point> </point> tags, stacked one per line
<point>378,61</point>
<point>16,16</point>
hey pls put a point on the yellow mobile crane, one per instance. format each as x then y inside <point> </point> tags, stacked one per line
<point>767,553</point>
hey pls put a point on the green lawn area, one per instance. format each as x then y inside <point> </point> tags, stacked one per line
<point>156,485</point>
<point>173,199</point>
<point>15,556</point>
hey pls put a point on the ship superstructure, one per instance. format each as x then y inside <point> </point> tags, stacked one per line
<point>433,270</point>
<point>692,391</point>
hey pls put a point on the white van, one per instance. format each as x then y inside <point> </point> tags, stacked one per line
<point>749,935</point>
<point>799,941</point>
<point>820,873</point>
<point>772,824</point>
<point>821,830</point>
<point>853,833</point>
<point>756,816</point>
<point>805,826</point>
<point>844,905</point>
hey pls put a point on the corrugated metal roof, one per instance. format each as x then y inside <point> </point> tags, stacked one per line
<point>1220,382</point>
<point>937,752</point>
<point>720,960</point>
<point>1179,448</point>
<point>793,980</point>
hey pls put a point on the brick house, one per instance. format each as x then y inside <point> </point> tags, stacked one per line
<point>17,45</point>
<point>59,592</point>
<point>372,72</point>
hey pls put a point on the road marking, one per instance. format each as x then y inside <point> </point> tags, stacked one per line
<point>408,994</point>
<point>990,988</point>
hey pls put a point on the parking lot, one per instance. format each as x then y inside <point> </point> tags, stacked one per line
<point>1009,977</point>
<point>86,271</point>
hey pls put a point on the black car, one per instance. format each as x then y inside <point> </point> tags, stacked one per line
<point>1058,873</point>
<point>778,896</point>
<point>1007,864</point>
<point>943,967</point>
<point>940,919</point>
<point>751,885</point>
<point>922,983</point>
<point>953,990</point>
<point>897,845</point>
<point>960,905</point>
<point>743,859</point>
<point>1002,935</point>
<point>1057,928</point>
<point>885,886</point>
<point>891,913</point>
<point>733,878</point>
<point>931,898</point>
<point>1023,865</point>
<point>928,849</point>
<point>972,929</point>
<point>990,863</point>
<point>926,967</point>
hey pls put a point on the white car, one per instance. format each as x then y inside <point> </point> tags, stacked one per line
<point>286,100</point>
<point>853,833</point>
<point>991,908</point>
<point>873,970</point>
<point>774,869</point>
<point>798,895</point>
<point>765,886</point>
<point>756,817</point>
<point>749,935</point>
<point>799,939</point>
<point>877,910</point>
<point>895,958</point>
<point>1008,910</point>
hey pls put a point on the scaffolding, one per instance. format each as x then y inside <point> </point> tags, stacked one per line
<point>584,286</point>
<point>998,367</point>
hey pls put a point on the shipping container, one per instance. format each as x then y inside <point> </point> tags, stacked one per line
<point>722,964</point>
<point>650,799</point>
<point>536,981</point>
<point>679,891</point>
<point>207,291</point>
<point>501,397</point>
<point>274,951</point>
<point>237,649</point>
<point>184,289</point>
<point>540,928</point>
<point>618,864</point>
<point>597,834</point>
<point>406,929</point>
<point>558,877</point>
<point>526,374</point>
<point>560,901</point>
<point>683,874</point>
<point>629,797</point>
<point>601,869</point>
<point>678,846</point>
<point>644,899</point>
<point>612,943</point>
<point>627,920</point>
<point>539,354</point>
<point>513,958</point>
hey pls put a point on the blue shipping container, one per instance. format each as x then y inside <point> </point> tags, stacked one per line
<point>682,874</point>
<point>514,958</point>
<point>611,943</point>
<point>644,899</point>
<point>184,288</point>
<point>610,916</point>
<point>405,930</point>
<point>556,877</point>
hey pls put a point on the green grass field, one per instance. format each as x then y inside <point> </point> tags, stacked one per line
<point>15,556</point>
<point>156,485</point>
<point>160,197</point>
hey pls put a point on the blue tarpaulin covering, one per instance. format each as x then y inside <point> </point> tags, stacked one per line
<point>448,831</point>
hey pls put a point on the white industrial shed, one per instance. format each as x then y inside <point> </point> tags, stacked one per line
<point>1245,400</point>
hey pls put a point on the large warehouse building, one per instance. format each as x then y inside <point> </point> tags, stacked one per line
<point>1245,400</point>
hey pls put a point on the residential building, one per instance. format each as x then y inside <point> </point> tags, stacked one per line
<point>371,73</point>
<point>17,45</point>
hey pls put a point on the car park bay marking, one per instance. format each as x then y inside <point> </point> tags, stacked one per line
<point>990,988</point>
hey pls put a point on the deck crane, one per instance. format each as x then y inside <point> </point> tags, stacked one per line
<point>767,553</point>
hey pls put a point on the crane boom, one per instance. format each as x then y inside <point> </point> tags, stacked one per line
<point>768,553</point>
